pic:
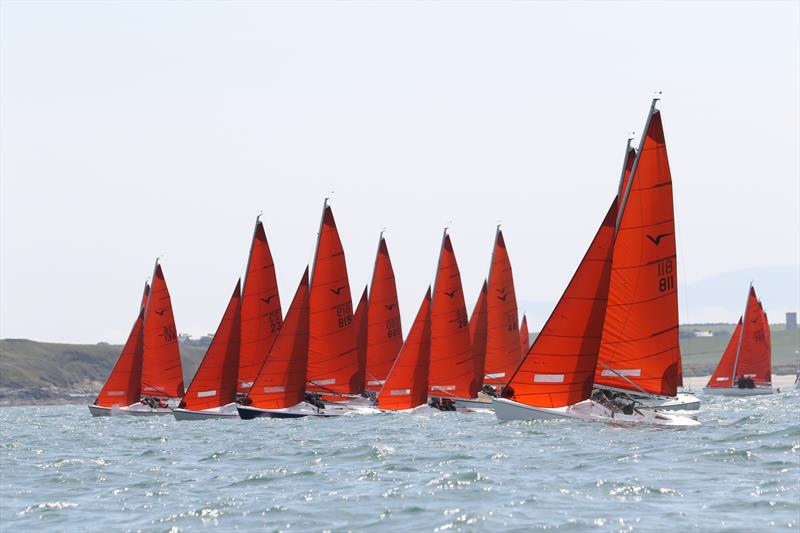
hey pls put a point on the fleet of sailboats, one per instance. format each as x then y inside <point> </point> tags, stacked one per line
<point>608,352</point>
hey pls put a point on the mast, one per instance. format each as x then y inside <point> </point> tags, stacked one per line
<point>624,200</point>
<point>319,235</point>
<point>741,334</point>
<point>250,255</point>
<point>621,180</point>
<point>439,262</point>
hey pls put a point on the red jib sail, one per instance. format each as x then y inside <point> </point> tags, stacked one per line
<point>559,368</point>
<point>452,372</point>
<point>214,383</point>
<point>333,356</point>
<point>748,353</point>
<point>478,327</point>
<point>406,386</point>
<point>503,336</point>
<point>524,336</point>
<point>360,323</point>
<point>162,374</point>
<point>384,330</point>
<point>261,310</point>
<point>123,386</point>
<point>282,380</point>
<point>639,351</point>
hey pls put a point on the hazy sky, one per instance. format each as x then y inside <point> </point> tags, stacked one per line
<point>131,130</point>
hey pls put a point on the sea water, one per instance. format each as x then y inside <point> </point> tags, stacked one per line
<point>61,469</point>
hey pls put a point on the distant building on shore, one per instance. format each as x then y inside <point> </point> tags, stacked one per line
<point>791,321</point>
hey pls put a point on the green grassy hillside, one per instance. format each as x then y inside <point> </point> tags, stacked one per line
<point>30,364</point>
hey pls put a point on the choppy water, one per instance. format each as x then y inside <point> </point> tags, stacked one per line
<point>60,469</point>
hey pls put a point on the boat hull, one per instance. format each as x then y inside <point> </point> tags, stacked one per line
<point>303,409</point>
<point>136,409</point>
<point>589,410</point>
<point>225,412</point>
<point>473,405</point>
<point>736,391</point>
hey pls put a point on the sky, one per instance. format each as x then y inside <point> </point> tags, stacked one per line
<point>131,130</point>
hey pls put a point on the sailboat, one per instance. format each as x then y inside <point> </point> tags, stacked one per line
<point>406,386</point>
<point>452,370</point>
<point>279,390</point>
<point>261,315</point>
<point>212,392</point>
<point>151,357</point>
<point>745,368</point>
<point>384,328</point>
<point>555,380</point>
<point>639,351</point>
<point>333,355</point>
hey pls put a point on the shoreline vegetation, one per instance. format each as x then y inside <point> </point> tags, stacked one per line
<point>39,373</point>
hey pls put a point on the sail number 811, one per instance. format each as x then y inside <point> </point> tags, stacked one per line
<point>666,276</point>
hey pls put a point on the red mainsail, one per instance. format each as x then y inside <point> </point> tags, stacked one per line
<point>162,374</point>
<point>333,355</point>
<point>452,372</point>
<point>261,310</point>
<point>559,368</point>
<point>478,328</point>
<point>639,351</point>
<point>406,386</point>
<point>384,330</point>
<point>214,383</point>
<point>282,380</point>
<point>503,337</point>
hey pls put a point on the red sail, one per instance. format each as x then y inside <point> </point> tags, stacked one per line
<point>145,295</point>
<point>559,368</point>
<point>406,386</point>
<point>214,383</point>
<point>754,359</point>
<point>161,369</point>
<point>261,310</point>
<point>282,381</point>
<point>478,328</point>
<point>723,377</point>
<point>385,332</point>
<point>332,357</point>
<point>639,351</point>
<point>503,337</point>
<point>452,371</point>
<point>524,336</point>
<point>360,322</point>
<point>123,386</point>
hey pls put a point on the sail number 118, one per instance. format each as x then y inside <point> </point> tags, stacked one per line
<point>666,276</point>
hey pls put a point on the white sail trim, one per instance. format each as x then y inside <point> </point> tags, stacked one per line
<point>399,392</point>
<point>548,378</point>
<point>278,388</point>
<point>723,378</point>
<point>495,376</point>
<point>376,382</point>
<point>627,372</point>
<point>206,393</point>
<point>331,381</point>
<point>246,384</point>
<point>443,387</point>
<point>115,393</point>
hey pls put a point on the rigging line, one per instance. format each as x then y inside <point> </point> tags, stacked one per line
<point>623,377</point>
